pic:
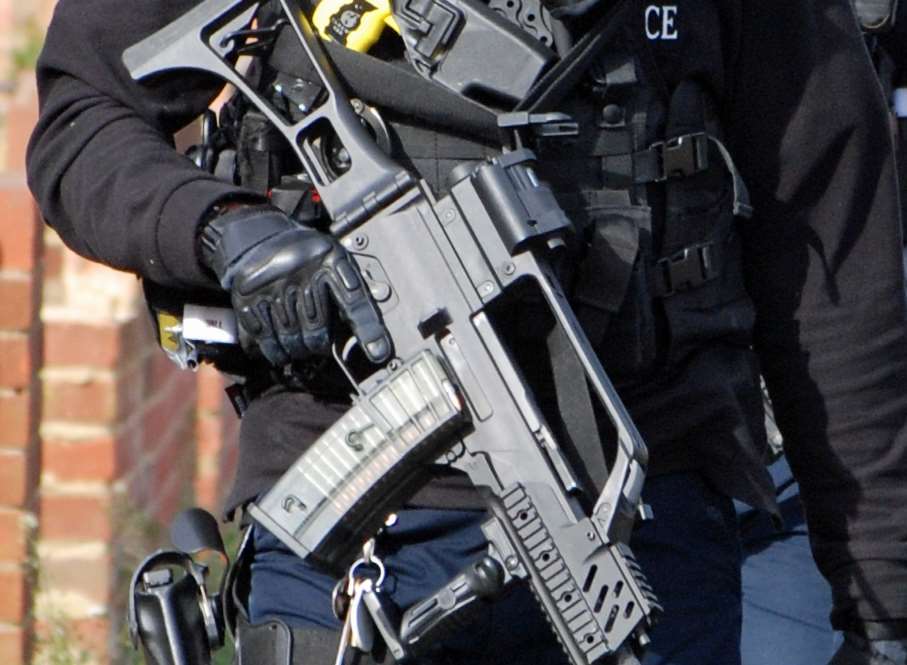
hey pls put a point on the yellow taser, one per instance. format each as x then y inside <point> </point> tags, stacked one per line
<point>357,24</point>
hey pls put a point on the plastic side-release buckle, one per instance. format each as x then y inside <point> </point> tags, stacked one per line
<point>684,270</point>
<point>682,156</point>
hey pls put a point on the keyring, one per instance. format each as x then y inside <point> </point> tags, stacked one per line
<point>364,562</point>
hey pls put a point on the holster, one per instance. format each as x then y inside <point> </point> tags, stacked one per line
<point>172,619</point>
<point>273,642</point>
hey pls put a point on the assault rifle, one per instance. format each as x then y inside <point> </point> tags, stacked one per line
<point>440,270</point>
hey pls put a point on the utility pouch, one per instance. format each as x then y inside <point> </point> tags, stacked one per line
<point>611,295</point>
<point>471,49</point>
<point>699,275</point>
<point>706,300</point>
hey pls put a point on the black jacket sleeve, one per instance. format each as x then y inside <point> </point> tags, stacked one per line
<point>101,162</point>
<point>823,264</point>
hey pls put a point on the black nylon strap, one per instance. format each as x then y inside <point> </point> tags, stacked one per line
<point>549,90</point>
<point>575,407</point>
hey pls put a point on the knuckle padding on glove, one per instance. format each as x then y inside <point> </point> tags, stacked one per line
<point>285,281</point>
<point>348,275</point>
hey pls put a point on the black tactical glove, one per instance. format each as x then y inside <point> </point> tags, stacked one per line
<point>858,650</point>
<point>285,280</point>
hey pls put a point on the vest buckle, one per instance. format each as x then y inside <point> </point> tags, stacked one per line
<point>682,156</point>
<point>684,270</point>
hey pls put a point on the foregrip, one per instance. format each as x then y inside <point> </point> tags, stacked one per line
<point>453,607</point>
<point>594,596</point>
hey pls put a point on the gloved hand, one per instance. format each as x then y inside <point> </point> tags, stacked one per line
<point>285,281</point>
<point>857,650</point>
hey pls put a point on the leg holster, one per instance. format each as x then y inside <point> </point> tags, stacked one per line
<point>273,642</point>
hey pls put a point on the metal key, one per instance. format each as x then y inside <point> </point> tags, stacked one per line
<point>362,629</point>
<point>340,598</point>
<point>340,605</point>
<point>386,618</point>
<point>344,640</point>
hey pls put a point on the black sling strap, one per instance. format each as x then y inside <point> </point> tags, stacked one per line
<point>574,405</point>
<point>558,81</point>
<point>572,390</point>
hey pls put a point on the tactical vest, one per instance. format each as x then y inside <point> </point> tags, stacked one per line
<point>648,183</point>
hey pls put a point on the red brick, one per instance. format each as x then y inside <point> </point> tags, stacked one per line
<point>14,599</point>
<point>93,400</point>
<point>17,302</point>
<point>17,360</point>
<point>68,344</point>
<point>91,577</point>
<point>97,399</point>
<point>208,436</point>
<point>16,419</point>
<point>168,500</point>
<point>207,493</point>
<point>19,226</point>
<point>159,422</point>
<point>14,476</point>
<point>229,459</point>
<point>53,261</point>
<point>163,375</point>
<point>173,477</point>
<point>128,448</point>
<point>13,645</point>
<point>174,458</point>
<point>210,390</point>
<point>20,120</point>
<point>73,517</point>
<point>90,459</point>
<point>14,533</point>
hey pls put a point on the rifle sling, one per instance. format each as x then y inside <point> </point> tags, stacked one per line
<point>558,81</point>
<point>577,413</point>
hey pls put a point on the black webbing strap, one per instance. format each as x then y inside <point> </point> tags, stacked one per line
<point>558,81</point>
<point>576,411</point>
<point>389,86</point>
<point>572,389</point>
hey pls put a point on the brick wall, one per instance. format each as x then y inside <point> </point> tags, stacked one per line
<point>20,398</point>
<point>101,437</point>
<point>217,431</point>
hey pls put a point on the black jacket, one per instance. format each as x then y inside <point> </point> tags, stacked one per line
<point>805,121</point>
